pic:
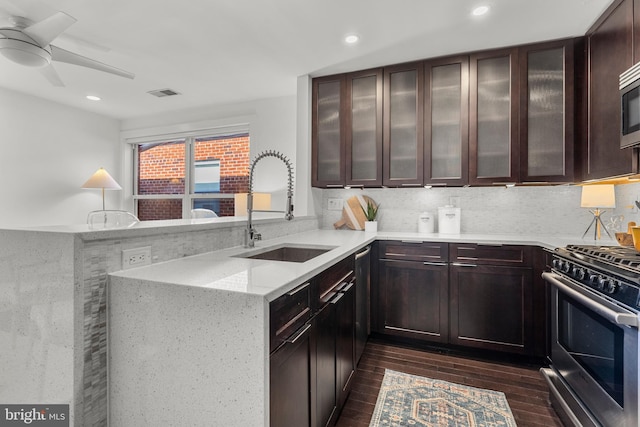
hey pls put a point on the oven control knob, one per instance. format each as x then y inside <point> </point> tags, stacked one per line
<point>612,287</point>
<point>578,272</point>
<point>565,267</point>
<point>556,263</point>
<point>604,283</point>
<point>593,279</point>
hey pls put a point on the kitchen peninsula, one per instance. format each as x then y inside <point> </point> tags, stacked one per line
<point>54,301</point>
<point>189,338</point>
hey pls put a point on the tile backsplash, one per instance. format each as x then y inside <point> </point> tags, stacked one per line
<point>517,210</point>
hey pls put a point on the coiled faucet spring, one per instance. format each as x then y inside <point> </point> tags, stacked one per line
<point>250,233</point>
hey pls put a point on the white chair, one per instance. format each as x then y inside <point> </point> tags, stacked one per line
<point>107,219</point>
<point>203,213</point>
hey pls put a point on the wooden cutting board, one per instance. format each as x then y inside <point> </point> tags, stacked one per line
<point>352,215</point>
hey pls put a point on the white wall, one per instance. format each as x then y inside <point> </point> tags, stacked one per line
<point>272,126</point>
<point>48,151</point>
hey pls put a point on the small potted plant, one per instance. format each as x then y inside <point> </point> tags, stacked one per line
<point>370,213</point>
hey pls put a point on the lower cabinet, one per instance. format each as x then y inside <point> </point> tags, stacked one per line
<point>290,403</point>
<point>413,300</point>
<point>491,307</point>
<point>345,342</point>
<point>324,350</point>
<point>471,295</point>
<point>311,369</point>
<point>335,355</point>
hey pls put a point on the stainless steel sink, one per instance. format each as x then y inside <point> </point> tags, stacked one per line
<point>287,253</point>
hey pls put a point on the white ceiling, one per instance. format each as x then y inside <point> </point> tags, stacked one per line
<point>224,51</point>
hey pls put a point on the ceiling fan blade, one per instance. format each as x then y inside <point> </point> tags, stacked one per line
<point>61,55</point>
<point>45,31</point>
<point>50,74</point>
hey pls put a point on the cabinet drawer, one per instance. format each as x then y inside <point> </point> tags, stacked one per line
<point>414,251</point>
<point>289,313</point>
<point>330,280</point>
<point>475,253</point>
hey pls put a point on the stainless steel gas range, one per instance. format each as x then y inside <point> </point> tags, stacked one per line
<point>593,374</point>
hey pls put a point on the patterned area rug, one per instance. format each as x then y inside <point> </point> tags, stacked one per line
<point>409,400</point>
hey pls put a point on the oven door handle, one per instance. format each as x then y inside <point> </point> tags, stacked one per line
<point>618,317</point>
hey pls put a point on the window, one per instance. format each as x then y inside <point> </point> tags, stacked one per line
<point>207,176</point>
<point>179,174</point>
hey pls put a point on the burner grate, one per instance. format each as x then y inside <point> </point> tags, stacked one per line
<point>617,255</point>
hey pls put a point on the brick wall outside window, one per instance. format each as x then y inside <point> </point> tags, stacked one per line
<point>161,170</point>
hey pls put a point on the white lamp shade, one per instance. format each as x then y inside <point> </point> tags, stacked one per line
<point>598,196</point>
<point>261,202</point>
<point>102,179</point>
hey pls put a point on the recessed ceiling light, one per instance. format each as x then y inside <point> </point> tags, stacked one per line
<point>351,39</point>
<point>480,10</point>
<point>93,98</point>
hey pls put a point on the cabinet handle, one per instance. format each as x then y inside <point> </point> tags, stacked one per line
<point>335,300</point>
<point>462,264</point>
<point>435,264</point>
<point>346,288</point>
<point>363,253</point>
<point>299,334</point>
<point>345,278</point>
<point>298,289</point>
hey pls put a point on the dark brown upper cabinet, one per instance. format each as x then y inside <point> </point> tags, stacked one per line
<point>493,117</point>
<point>328,132</point>
<point>547,112</point>
<point>364,128</point>
<point>609,53</point>
<point>403,143</point>
<point>446,121</point>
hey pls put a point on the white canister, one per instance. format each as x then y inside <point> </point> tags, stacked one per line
<point>426,222</point>
<point>449,220</point>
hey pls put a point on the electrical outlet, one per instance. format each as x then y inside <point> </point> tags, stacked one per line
<point>454,201</point>
<point>335,204</point>
<point>136,257</point>
<point>635,206</point>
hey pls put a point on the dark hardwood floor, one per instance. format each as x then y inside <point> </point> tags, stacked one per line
<point>524,387</point>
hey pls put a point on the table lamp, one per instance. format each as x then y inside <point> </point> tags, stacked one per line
<point>101,179</point>
<point>597,197</point>
<point>261,202</point>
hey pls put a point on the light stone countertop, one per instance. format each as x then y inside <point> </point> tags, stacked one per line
<point>157,227</point>
<point>222,270</point>
<point>189,338</point>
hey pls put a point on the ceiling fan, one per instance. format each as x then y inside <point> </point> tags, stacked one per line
<point>27,43</point>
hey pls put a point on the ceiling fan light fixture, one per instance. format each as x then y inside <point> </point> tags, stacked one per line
<point>24,53</point>
<point>480,10</point>
<point>351,39</point>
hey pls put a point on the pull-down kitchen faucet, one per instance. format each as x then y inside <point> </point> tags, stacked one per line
<point>250,234</point>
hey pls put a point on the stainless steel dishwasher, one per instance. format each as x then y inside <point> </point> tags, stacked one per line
<point>363,285</point>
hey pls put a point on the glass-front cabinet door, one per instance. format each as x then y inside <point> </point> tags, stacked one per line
<point>328,136</point>
<point>546,112</point>
<point>446,121</point>
<point>364,128</point>
<point>403,129</point>
<point>493,118</point>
